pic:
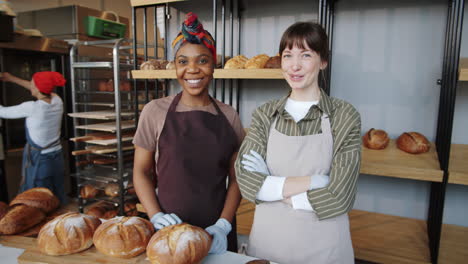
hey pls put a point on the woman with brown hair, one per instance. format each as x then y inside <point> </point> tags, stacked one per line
<point>300,161</point>
<point>192,141</point>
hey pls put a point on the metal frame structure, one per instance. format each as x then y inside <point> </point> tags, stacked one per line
<point>115,65</point>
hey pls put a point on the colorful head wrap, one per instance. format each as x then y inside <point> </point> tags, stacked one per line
<point>193,32</point>
<point>46,81</point>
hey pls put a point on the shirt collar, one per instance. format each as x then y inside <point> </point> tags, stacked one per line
<point>325,104</point>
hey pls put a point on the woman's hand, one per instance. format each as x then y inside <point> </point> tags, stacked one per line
<point>254,162</point>
<point>161,220</point>
<point>6,77</point>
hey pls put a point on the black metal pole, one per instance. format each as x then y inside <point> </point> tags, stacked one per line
<point>155,32</point>
<point>135,61</point>
<point>145,49</point>
<point>166,48</point>
<point>239,30</point>
<point>223,21</point>
<point>231,53</point>
<point>215,9</point>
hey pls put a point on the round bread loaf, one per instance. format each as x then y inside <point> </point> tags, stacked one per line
<point>179,244</point>
<point>375,139</point>
<point>112,189</point>
<point>413,142</point>
<point>257,62</point>
<point>238,62</point>
<point>123,237</point>
<point>39,197</point>
<point>67,234</point>
<point>3,209</point>
<point>19,218</point>
<point>88,191</point>
<point>273,63</point>
<point>99,210</point>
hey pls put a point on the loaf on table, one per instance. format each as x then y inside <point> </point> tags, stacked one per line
<point>19,218</point>
<point>123,237</point>
<point>41,198</point>
<point>375,139</point>
<point>413,142</point>
<point>67,234</point>
<point>257,62</point>
<point>238,62</point>
<point>179,244</point>
<point>102,209</point>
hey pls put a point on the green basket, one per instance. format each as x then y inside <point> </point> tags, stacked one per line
<point>103,28</point>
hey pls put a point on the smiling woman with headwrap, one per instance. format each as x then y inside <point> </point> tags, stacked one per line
<point>191,140</point>
<point>43,164</point>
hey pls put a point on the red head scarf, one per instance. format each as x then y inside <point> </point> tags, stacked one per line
<point>47,80</point>
<point>193,32</point>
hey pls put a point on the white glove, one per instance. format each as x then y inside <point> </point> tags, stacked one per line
<point>253,162</point>
<point>318,181</point>
<point>161,220</point>
<point>219,231</point>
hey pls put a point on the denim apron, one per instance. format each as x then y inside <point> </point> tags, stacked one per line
<point>43,170</point>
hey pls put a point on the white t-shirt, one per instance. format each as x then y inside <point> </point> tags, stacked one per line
<point>43,120</point>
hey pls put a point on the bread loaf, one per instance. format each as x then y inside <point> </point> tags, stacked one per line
<point>112,189</point>
<point>3,209</point>
<point>99,210</point>
<point>130,209</point>
<point>170,66</point>
<point>39,197</point>
<point>88,191</point>
<point>34,231</point>
<point>375,139</point>
<point>179,244</point>
<point>413,142</point>
<point>238,62</point>
<point>151,64</point>
<point>273,63</point>
<point>67,234</point>
<point>257,62</point>
<point>110,213</point>
<point>123,237</point>
<point>19,218</point>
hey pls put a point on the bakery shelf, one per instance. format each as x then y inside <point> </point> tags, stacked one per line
<point>151,2</point>
<point>393,162</point>
<point>108,127</point>
<point>218,74</point>
<point>102,115</point>
<point>388,239</point>
<point>463,70</point>
<point>89,175</point>
<point>453,244</point>
<point>458,165</point>
<point>108,142</point>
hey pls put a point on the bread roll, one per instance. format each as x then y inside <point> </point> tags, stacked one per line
<point>88,191</point>
<point>238,62</point>
<point>375,139</point>
<point>130,209</point>
<point>258,261</point>
<point>170,66</point>
<point>100,208</point>
<point>123,237</point>
<point>112,189</point>
<point>179,244</point>
<point>151,64</point>
<point>257,62</point>
<point>273,63</point>
<point>413,142</point>
<point>19,218</point>
<point>67,234</point>
<point>3,209</point>
<point>39,197</point>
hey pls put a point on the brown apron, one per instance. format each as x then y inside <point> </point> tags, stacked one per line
<point>288,236</point>
<point>195,149</point>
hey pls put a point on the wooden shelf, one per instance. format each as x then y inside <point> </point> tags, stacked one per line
<point>392,162</point>
<point>463,70</point>
<point>151,2</point>
<point>101,115</point>
<point>458,165</point>
<point>218,74</point>
<point>453,244</point>
<point>108,127</point>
